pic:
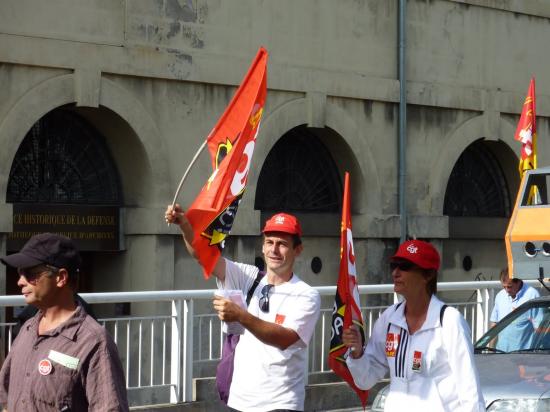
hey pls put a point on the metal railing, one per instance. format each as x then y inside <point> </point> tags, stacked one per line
<point>162,353</point>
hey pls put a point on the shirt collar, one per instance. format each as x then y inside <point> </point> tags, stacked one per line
<point>68,329</point>
<point>520,293</point>
<point>432,317</point>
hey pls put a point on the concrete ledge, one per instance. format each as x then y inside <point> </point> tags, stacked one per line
<point>325,396</point>
<point>142,221</point>
<point>182,407</point>
<point>428,226</point>
<point>478,227</point>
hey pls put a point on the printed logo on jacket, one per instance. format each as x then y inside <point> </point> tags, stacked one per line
<point>392,343</point>
<point>417,361</point>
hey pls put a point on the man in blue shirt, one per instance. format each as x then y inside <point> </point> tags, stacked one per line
<point>515,292</point>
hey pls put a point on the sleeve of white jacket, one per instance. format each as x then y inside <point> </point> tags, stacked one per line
<point>461,360</point>
<point>372,366</point>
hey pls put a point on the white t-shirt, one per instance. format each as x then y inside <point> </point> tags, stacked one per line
<point>432,370</point>
<point>265,377</point>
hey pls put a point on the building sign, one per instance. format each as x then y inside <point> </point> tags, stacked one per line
<point>92,228</point>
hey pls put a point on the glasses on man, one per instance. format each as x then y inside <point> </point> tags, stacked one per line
<point>32,276</point>
<point>403,266</point>
<point>264,299</point>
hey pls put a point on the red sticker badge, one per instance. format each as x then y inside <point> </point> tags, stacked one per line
<point>45,367</point>
<point>279,319</point>
<point>392,342</point>
<point>417,361</point>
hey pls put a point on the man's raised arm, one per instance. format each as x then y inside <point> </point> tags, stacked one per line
<point>176,215</point>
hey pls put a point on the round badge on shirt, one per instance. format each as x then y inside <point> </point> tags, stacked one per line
<point>45,367</point>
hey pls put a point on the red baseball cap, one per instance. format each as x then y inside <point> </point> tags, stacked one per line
<point>421,253</point>
<point>283,222</point>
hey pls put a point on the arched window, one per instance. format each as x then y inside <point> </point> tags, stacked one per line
<point>299,174</point>
<point>477,186</point>
<point>63,159</point>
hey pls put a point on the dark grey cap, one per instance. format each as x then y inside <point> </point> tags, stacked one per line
<point>46,248</point>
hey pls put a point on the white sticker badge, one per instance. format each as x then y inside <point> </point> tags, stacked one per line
<point>65,360</point>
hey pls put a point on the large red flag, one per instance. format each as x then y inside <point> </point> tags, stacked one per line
<point>347,308</point>
<point>526,132</point>
<point>231,144</point>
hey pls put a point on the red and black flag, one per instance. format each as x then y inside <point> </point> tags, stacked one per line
<point>231,145</point>
<point>347,308</point>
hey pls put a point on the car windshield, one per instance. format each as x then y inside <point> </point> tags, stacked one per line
<point>526,329</point>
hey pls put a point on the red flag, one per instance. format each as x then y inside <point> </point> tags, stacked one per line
<point>347,309</point>
<point>526,132</point>
<point>231,144</point>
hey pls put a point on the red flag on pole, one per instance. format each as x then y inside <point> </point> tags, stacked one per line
<point>347,308</point>
<point>526,132</point>
<point>231,145</point>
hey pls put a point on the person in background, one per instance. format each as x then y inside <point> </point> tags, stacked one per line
<point>514,293</point>
<point>270,359</point>
<point>424,345</point>
<point>62,359</point>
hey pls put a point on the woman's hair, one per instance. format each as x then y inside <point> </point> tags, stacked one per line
<point>431,286</point>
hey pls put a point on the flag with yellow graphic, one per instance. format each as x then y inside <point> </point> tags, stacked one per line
<point>347,308</point>
<point>231,145</point>
<point>526,132</point>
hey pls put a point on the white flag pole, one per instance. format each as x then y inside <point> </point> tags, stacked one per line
<point>187,172</point>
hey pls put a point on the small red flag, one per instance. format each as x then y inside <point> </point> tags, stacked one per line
<point>231,145</point>
<point>347,308</point>
<point>526,132</point>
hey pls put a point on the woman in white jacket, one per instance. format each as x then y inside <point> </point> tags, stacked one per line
<point>424,345</point>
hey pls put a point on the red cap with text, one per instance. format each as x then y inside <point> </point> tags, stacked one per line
<point>283,222</point>
<point>421,253</point>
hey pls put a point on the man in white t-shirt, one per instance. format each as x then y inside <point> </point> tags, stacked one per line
<point>270,358</point>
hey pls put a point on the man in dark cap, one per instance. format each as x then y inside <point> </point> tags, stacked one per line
<point>62,359</point>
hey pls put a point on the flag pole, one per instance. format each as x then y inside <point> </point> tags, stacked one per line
<point>345,221</point>
<point>187,172</point>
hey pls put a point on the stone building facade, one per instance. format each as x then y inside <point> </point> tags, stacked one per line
<point>104,103</point>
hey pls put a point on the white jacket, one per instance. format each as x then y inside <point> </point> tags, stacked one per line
<point>432,370</point>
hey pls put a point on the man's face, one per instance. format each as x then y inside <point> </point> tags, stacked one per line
<point>279,252</point>
<point>38,285</point>
<point>511,287</point>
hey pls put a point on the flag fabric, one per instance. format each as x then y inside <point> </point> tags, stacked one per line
<point>231,145</point>
<point>526,132</point>
<point>347,308</point>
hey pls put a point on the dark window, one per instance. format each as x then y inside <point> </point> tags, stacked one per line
<point>477,185</point>
<point>63,159</point>
<point>536,190</point>
<point>299,174</point>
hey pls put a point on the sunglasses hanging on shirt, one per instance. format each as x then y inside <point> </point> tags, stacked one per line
<point>264,299</point>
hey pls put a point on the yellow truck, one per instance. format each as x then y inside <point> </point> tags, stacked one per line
<point>528,234</point>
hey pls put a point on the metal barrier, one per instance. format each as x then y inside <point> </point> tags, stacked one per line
<point>160,352</point>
